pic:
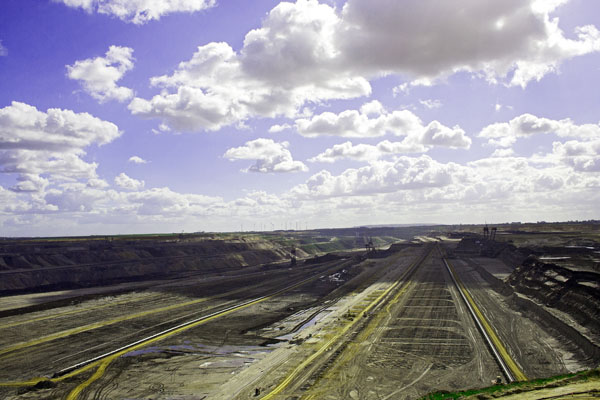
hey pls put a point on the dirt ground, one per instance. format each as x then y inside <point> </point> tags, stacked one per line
<point>425,340</point>
<point>418,338</point>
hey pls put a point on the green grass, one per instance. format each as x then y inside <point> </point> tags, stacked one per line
<point>517,387</point>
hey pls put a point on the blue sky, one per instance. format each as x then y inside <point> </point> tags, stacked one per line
<point>199,115</point>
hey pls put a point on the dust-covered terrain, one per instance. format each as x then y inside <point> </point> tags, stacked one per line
<point>325,314</point>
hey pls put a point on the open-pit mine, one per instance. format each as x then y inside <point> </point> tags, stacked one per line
<point>510,311</point>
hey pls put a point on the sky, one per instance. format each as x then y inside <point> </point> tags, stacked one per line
<point>143,116</point>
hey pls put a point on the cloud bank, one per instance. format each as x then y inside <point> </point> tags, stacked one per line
<point>139,11</point>
<point>307,53</point>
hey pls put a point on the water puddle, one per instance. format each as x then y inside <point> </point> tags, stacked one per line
<point>309,323</point>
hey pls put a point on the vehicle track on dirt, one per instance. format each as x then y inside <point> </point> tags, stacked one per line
<point>511,371</point>
<point>25,342</point>
<point>310,370</point>
<point>104,361</point>
<point>421,334</point>
<point>284,281</point>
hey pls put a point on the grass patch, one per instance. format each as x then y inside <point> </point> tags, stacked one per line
<point>517,387</point>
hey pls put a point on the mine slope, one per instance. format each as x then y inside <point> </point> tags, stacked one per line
<point>383,324</point>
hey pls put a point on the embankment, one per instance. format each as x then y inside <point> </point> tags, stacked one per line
<point>56,265</point>
<point>565,301</point>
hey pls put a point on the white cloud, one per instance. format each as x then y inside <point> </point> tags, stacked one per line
<point>372,108</point>
<point>125,182</point>
<point>409,188</point>
<point>33,142</point>
<point>307,52</point>
<point>582,156</point>
<point>405,173</point>
<point>214,89</point>
<point>30,183</point>
<point>165,202</point>
<point>512,40</point>
<point>373,120</point>
<point>270,156</point>
<point>360,152</point>
<point>75,198</point>
<point>162,128</point>
<point>65,165</point>
<point>368,152</point>
<point>503,153</point>
<point>420,187</point>
<point>288,62</point>
<point>370,121</point>
<point>505,134</point>
<point>97,183</point>
<point>24,127</point>
<point>436,134</point>
<point>429,103</point>
<point>296,43</point>
<point>94,203</point>
<point>545,182</point>
<point>99,75</point>
<point>549,54</point>
<point>408,145</point>
<point>12,202</point>
<point>3,50</point>
<point>137,160</point>
<point>498,107</point>
<point>279,128</point>
<point>400,89</point>
<point>139,11</point>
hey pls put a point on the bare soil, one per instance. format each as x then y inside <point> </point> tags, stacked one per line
<point>419,339</point>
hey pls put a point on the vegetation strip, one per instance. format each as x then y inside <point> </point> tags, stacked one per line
<point>509,367</point>
<point>519,387</point>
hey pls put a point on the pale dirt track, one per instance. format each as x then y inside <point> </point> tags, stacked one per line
<point>425,340</point>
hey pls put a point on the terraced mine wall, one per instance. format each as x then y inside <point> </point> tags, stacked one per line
<point>497,284</point>
<point>552,323</point>
<point>574,292</point>
<point>534,285</point>
<point>64,265</point>
<point>477,245</point>
<point>393,249</point>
